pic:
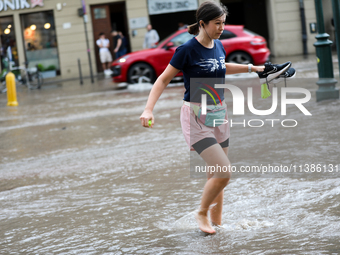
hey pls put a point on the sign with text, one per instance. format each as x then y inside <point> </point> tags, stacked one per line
<point>19,4</point>
<point>138,22</point>
<point>167,6</point>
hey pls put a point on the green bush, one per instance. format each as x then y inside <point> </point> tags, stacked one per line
<point>40,67</point>
<point>16,72</point>
<point>3,73</point>
<point>50,68</point>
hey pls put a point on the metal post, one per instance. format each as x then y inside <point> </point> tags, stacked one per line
<point>11,90</point>
<point>326,81</point>
<point>336,17</point>
<point>87,40</point>
<point>303,27</point>
<point>80,73</point>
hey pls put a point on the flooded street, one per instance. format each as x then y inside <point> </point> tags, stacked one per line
<point>79,175</point>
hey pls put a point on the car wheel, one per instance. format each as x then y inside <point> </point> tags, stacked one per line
<point>239,57</point>
<point>141,72</point>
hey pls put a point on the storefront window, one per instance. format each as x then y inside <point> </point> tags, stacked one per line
<point>8,45</point>
<point>40,39</point>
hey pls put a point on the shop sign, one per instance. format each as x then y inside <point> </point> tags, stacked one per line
<point>19,4</point>
<point>167,6</point>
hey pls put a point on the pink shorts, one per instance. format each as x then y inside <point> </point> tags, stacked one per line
<point>198,136</point>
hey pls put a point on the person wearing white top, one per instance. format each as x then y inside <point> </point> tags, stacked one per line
<point>104,53</point>
<point>151,38</point>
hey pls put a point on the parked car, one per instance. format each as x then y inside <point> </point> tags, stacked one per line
<point>241,45</point>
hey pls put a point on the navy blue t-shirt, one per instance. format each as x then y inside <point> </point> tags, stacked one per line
<point>197,61</point>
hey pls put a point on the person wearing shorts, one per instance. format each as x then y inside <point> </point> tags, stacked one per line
<point>202,57</point>
<point>199,136</point>
<point>104,53</point>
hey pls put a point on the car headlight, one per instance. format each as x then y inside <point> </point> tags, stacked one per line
<point>123,59</point>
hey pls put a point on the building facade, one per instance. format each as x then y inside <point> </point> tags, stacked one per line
<point>52,32</point>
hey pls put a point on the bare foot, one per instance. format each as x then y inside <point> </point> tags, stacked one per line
<point>204,223</point>
<point>215,224</point>
<point>218,226</point>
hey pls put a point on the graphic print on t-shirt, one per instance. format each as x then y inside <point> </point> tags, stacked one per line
<point>211,64</point>
<point>222,61</point>
<point>196,61</point>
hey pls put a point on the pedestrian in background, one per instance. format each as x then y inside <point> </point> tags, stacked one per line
<point>151,38</point>
<point>119,47</point>
<point>181,25</point>
<point>124,41</point>
<point>104,53</point>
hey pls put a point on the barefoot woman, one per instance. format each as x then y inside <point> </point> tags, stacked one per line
<point>202,57</point>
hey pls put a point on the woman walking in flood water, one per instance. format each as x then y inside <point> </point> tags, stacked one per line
<point>204,57</point>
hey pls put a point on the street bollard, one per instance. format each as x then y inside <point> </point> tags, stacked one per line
<point>11,90</point>
<point>326,83</point>
<point>336,16</point>
<point>80,73</point>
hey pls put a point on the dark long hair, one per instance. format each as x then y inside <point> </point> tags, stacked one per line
<point>207,11</point>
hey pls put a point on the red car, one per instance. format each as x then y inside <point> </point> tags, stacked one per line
<point>241,45</point>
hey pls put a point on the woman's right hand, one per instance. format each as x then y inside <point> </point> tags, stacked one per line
<point>145,117</point>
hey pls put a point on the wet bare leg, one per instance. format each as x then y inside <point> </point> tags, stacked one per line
<point>214,155</point>
<point>203,221</point>
<point>216,210</point>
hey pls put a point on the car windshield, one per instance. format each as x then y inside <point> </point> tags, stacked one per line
<point>165,39</point>
<point>179,39</point>
<point>227,35</point>
<point>249,32</point>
